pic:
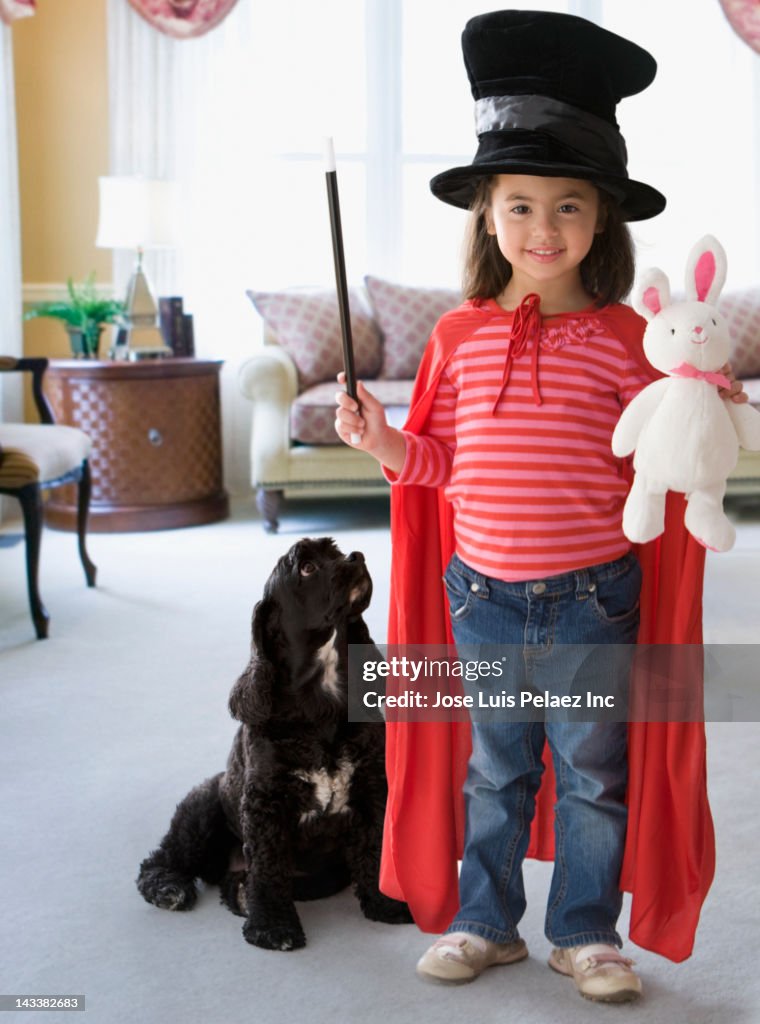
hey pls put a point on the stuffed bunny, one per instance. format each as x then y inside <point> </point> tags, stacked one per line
<point>685,435</point>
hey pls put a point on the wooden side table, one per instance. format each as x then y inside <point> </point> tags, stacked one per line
<point>156,433</point>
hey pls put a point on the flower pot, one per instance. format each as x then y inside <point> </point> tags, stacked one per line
<point>85,343</point>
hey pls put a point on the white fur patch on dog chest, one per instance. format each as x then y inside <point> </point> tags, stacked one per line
<point>328,656</point>
<point>331,790</point>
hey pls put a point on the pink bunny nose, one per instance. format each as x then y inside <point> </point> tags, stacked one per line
<point>697,330</point>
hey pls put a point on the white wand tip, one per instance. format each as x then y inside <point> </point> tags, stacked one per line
<point>356,439</point>
<point>329,154</point>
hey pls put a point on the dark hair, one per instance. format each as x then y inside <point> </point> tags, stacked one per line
<point>607,271</point>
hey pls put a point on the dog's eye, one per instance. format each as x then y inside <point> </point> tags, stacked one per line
<point>307,568</point>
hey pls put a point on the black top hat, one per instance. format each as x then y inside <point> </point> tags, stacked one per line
<point>545,88</point>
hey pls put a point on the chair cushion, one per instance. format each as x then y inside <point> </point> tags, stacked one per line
<point>39,452</point>
<point>312,415</point>
<point>406,316</point>
<point>307,325</point>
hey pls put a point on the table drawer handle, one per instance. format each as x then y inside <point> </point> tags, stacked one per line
<point>155,437</point>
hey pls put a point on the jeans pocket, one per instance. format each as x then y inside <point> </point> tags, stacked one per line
<point>459,594</point>
<point>616,600</point>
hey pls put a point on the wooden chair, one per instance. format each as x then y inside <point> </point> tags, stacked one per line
<point>34,458</point>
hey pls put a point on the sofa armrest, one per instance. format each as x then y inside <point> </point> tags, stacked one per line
<point>269,379</point>
<point>268,376</point>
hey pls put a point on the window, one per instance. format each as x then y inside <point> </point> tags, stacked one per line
<point>241,114</point>
<point>693,134</point>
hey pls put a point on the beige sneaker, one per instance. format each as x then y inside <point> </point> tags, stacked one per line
<point>600,972</point>
<point>459,957</point>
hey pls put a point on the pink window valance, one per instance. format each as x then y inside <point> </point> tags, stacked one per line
<point>744,16</point>
<point>12,9</point>
<point>183,19</point>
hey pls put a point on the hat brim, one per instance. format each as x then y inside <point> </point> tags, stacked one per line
<point>636,200</point>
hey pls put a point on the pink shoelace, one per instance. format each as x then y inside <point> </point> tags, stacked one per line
<point>452,947</point>
<point>596,959</point>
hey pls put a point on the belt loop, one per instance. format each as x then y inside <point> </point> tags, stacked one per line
<point>582,581</point>
<point>480,585</point>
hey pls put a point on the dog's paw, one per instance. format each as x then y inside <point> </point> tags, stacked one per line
<point>275,935</point>
<point>232,893</point>
<point>166,889</point>
<point>377,907</point>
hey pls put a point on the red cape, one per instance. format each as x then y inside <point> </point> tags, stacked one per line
<point>670,848</point>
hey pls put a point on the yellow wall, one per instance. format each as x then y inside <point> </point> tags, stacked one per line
<point>61,81</point>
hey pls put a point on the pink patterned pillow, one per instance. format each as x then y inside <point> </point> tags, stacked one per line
<point>406,316</point>
<point>742,310</point>
<point>307,325</point>
<point>312,415</point>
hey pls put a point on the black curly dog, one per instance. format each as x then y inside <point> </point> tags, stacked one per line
<point>298,814</point>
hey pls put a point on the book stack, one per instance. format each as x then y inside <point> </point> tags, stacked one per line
<point>176,326</point>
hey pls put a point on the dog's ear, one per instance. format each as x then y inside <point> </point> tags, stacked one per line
<point>264,625</point>
<point>358,631</point>
<point>251,696</point>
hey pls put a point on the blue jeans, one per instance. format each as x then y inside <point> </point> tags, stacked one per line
<point>593,606</point>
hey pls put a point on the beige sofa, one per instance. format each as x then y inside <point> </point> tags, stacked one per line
<point>291,383</point>
<point>742,308</point>
<point>744,482</point>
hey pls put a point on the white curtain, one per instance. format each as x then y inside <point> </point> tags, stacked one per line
<point>11,402</point>
<point>158,106</point>
<point>10,245</point>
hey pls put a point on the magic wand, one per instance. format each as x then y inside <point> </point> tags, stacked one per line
<point>331,178</point>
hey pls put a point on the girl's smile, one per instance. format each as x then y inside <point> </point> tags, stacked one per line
<point>544,255</point>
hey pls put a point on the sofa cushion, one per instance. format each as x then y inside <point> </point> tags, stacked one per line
<point>406,316</point>
<point>312,415</point>
<point>307,325</point>
<point>742,310</point>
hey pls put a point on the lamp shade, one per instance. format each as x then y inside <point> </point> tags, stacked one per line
<point>137,213</point>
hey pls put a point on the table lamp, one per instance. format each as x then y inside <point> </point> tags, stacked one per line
<point>138,213</point>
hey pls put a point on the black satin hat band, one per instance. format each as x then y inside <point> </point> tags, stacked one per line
<point>598,141</point>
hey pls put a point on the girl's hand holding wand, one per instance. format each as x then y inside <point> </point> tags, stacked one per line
<point>363,425</point>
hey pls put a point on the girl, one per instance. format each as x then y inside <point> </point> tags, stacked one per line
<point>516,399</point>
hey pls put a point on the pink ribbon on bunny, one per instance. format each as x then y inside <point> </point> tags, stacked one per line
<point>687,370</point>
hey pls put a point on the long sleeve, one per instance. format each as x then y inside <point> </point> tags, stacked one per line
<point>429,456</point>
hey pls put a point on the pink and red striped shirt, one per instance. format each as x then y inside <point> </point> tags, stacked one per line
<point>536,489</point>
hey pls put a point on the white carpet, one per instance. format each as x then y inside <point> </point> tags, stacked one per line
<point>107,724</point>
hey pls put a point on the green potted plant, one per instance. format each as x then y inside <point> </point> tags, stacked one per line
<point>84,315</point>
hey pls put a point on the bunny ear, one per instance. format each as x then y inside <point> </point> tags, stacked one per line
<point>651,294</point>
<point>706,270</point>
